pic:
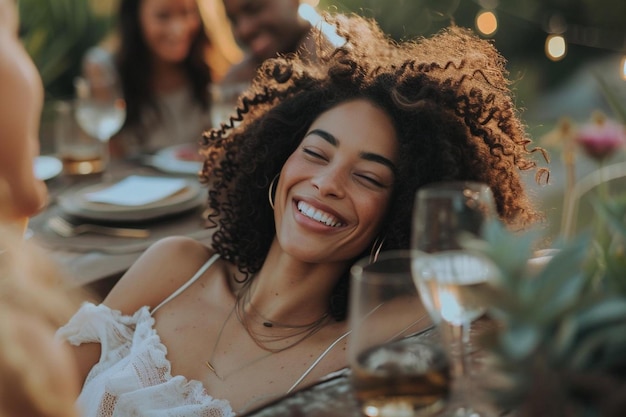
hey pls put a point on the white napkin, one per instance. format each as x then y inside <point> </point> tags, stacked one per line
<point>137,190</point>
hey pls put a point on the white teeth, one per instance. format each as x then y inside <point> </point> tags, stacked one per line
<point>318,215</point>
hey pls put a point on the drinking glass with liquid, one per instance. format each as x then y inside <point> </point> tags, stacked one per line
<point>100,109</point>
<point>79,152</point>
<point>395,371</point>
<point>453,281</point>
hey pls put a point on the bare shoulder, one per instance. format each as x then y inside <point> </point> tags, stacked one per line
<point>159,271</point>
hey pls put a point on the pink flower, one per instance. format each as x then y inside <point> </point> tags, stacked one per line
<point>602,137</point>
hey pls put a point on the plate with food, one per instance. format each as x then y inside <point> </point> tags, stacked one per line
<point>179,159</point>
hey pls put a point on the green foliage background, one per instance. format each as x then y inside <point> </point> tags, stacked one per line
<point>56,34</point>
<point>523,27</point>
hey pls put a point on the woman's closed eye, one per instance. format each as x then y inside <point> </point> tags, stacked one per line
<point>314,154</point>
<point>369,181</point>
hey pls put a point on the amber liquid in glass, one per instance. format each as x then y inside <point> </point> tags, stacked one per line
<point>390,383</point>
<point>82,166</point>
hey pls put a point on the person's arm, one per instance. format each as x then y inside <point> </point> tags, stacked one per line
<point>21,96</point>
<point>160,270</point>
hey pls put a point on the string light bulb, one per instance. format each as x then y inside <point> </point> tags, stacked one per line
<point>556,47</point>
<point>487,22</point>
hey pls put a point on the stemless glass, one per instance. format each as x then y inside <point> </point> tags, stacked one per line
<point>393,375</point>
<point>451,280</point>
<point>100,110</point>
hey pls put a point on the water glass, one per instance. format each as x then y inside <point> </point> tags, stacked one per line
<point>393,374</point>
<point>100,110</point>
<point>79,152</point>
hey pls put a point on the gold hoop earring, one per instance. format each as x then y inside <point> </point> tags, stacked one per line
<point>270,191</point>
<point>376,248</point>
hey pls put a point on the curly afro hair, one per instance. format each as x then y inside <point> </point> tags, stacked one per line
<point>448,96</point>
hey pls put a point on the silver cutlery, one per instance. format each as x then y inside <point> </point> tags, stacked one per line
<point>66,229</point>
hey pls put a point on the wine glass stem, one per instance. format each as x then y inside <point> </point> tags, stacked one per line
<point>107,176</point>
<point>460,337</point>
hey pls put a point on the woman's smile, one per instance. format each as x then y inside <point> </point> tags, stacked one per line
<point>318,215</point>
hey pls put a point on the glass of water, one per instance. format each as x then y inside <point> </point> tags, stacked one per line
<point>394,371</point>
<point>100,110</point>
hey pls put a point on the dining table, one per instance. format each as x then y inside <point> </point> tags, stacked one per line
<point>94,260</point>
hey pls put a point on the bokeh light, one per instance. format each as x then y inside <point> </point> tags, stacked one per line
<point>623,68</point>
<point>486,22</point>
<point>556,48</point>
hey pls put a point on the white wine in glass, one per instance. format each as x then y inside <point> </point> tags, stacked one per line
<point>451,280</point>
<point>453,284</point>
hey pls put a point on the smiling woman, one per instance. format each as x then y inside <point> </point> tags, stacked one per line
<point>337,184</point>
<point>318,169</point>
<point>167,63</point>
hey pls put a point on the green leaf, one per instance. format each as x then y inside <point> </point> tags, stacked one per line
<point>604,311</point>
<point>559,284</point>
<point>520,340</point>
<point>600,347</point>
<point>508,251</point>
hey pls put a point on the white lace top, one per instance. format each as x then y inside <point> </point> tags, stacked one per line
<point>133,376</point>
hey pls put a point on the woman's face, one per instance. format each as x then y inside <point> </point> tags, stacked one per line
<point>169,27</point>
<point>333,191</point>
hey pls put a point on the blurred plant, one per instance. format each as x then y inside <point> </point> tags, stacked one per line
<point>562,341</point>
<point>561,345</point>
<point>600,139</point>
<point>56,34</point>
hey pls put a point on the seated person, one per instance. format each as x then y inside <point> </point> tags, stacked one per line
<point>320,171</point>
<point>21,99</point>
<point>166,64</point>
<point>266,28</point>
<point>38,373</point>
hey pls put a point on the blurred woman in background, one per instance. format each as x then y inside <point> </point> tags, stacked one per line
<point>166,63</point>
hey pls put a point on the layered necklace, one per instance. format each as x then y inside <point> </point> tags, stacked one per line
<point>267,341</point>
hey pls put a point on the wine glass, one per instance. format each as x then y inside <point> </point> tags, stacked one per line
<point>452,280</point>
<point>393,375</point>
<point>100,110</point>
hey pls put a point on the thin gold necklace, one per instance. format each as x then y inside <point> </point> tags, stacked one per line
<point>209,363</point>
<point>261,340</point>
<point>246,298</point>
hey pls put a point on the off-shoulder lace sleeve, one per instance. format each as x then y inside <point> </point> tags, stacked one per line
<point>133,376</point>
<point>100,324</point>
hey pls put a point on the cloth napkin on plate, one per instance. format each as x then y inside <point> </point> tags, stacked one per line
<point>137,190</point>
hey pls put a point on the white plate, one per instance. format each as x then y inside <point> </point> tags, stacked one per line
<point>167,160</point>
<point>47,167</point>
<point>75,203</point>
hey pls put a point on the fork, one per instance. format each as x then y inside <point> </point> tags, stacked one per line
<point>66,229</point>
